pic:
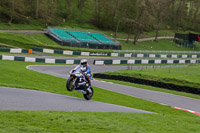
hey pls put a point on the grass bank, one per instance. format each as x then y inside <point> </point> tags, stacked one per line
<point>186,76</point>
<point>168,119</point>
<point>40,40</point>
<point>161,45</point>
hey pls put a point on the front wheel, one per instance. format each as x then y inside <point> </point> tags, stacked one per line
<point>89,93</point>
<point>69,84</point>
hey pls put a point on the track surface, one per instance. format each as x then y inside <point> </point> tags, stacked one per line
<point>23,99</point>
<point>159,97</point>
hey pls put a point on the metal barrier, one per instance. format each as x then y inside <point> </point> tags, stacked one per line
<point>161,52</point>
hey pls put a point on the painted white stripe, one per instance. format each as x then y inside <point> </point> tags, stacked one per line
<point>131,61</point>
<point>140,55</point>
<point>69,61</point>
<point>99,62</point>
<point>48,51</point>
<point>163,56</point>
<point>15,50</point>
<point>184,56</point>
<point>157,61</point>
<point>49,60</point>
<point>145,61</point>
<point>5,57</point>
<point>85,53</point>
<point>127,55</point>
<point>170,61</point>
<point>192,61</point>
<point>194,56</point>
<point>114,54</point>
<point>116,61</point>
<point>152,55</point>
<point>30,59</point>
<point>68,52</point>
<point>181,61</point>
<point>174,56</point>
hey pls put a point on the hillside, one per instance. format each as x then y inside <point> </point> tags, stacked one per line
<point>41,40</point>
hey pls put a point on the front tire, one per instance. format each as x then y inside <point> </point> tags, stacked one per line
<point>88,95</point>
<point>69,84</point>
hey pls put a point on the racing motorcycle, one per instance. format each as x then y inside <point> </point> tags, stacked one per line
<point>78,82</point>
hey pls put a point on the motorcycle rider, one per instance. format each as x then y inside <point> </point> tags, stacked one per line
<point>85,70</point>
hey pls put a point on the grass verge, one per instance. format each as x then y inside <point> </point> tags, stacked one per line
<point>186,76</point>
<point>152,88</point>
<point>90,122</point>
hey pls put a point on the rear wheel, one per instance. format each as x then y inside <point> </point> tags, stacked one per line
<point>89,93</point>
<point>69,84</point>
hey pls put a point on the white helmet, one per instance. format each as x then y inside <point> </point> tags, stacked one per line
<point>84,62</point>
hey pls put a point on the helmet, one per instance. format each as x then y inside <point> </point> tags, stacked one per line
<point>84,62</point>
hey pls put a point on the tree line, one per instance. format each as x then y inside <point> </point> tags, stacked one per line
<point>130,16</point>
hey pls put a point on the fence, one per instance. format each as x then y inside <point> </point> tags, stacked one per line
<point>146,61</point>
<point>41,60</point>
<point>160,52</point>
<point>126,55</point>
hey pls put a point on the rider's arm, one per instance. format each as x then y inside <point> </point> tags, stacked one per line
<point>77,67</point>
<point>88,70</point>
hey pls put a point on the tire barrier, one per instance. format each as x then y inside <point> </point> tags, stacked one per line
<point>41,60</point>
<point>15,50</point>
<point>127,55</point>
<point>169,86</point>
<point>146,61</point>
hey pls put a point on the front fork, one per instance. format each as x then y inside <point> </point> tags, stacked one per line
<point>74,82</point>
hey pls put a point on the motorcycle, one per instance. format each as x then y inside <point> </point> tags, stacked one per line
<point>78,82</point>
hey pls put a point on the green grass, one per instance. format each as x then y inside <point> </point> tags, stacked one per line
<point>27,41</point>
<point>168,119</point>
<point>165,33</point>
<point>152,88</point>
<point>161,45</point>
<point>40,40</point>
<point>84,122</point>
<point>5,26</point>
<point>186,76</point>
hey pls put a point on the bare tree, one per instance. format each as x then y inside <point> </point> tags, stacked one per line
<point>81,5</point>
<point>196,12</point>
<point>159,10</point>
<point>12,11</point>
<point>97,11</point>
<point>37,8</point>
<point>138,22</point>
<point>115,7</point>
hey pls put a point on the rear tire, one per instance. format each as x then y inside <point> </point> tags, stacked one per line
<point>88,95</point>
<point>69,85</point>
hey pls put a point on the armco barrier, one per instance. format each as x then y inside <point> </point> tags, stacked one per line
<point>127,55</point>
<point>15,50</point>
<point>149,82</point>
<point>42,60</point>
<point>146,61</point>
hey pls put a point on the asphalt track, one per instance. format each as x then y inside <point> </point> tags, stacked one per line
<point>23,99</point>
<point>159,97</point>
